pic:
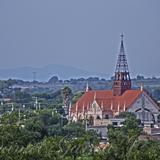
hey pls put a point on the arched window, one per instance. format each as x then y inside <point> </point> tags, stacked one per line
<point>98,117</point>
<point>106,116</point>
<point>91,120</point>
<point>158,118</point>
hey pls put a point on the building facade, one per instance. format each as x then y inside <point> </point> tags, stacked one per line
<point>100,106</point>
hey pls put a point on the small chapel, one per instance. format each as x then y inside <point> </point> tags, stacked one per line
<point>98,106</point>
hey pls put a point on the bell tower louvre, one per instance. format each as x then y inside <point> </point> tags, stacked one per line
<point>122,81</point>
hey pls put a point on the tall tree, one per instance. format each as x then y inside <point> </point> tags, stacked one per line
<point>67,93</point>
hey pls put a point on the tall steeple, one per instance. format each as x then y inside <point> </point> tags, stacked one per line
<point>88,88</point>
<point>122,81</point>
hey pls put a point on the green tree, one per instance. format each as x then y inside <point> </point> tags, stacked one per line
<point>67,93</point>
<point>148,150</point>
<point>122,139</point>
<point>76,97</point>
<point>45,123</point>
<point>11,135</point>
<point>21,97</point>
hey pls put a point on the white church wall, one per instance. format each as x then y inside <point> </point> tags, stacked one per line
<point>148,104</point>
<point>151,109</point>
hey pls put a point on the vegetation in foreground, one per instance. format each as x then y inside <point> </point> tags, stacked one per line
<point>47,135</point>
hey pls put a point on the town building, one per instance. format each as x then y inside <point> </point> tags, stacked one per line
<point>100,107</point>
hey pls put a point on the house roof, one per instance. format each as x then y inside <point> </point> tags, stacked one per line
<point>106,100</point>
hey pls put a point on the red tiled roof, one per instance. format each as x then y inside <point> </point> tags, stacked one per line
<point>105,100</point>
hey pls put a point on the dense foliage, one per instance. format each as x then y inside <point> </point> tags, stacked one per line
<point>44,134</point>
<point>47,135</point>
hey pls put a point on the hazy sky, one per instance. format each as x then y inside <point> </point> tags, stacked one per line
<point>80,33</point>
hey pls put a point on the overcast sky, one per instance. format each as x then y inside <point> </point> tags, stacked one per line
<point>80,33</point>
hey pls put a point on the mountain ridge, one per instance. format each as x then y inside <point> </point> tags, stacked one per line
<point>46,72</point>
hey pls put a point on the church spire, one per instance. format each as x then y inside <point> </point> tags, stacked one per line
<point>122,65</point>
<point>122,80</point>
<point>88,88</point>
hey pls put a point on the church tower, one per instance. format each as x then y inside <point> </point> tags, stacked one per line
<point>122,81</point>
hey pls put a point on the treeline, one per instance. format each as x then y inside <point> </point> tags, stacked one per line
<point>54,85</point>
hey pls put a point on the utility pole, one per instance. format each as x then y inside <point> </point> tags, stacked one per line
<point>12,109</point>
<point>34,76</point>
<point>19,116</point>
<point>36,103</point>
<point>54,111</point>
<point>2,104</point>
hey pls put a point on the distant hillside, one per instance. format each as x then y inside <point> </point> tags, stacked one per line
<point>44,73</point>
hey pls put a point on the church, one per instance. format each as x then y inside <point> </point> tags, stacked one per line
<point>98,106</point>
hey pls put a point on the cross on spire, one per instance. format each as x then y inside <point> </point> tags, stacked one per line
<point>122,37</point>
